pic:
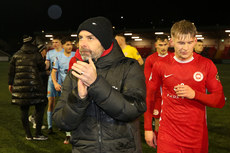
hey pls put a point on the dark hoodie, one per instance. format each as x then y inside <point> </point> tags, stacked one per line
<point>25,75</point>
<point>106,120</point>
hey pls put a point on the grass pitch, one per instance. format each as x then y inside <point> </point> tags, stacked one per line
<point>12,136</point>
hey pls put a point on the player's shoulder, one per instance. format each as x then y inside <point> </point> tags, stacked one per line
<point>167,58</point>
<point>73,59</point>
<point>163,63</point>
<point>129,47</point>
<point>51,51</point>
<point>60,52</point>
<point>170,53</point>
<point>149,57</point>
<point>152,56</point>
<point>202,59</point>
<point>72,54</point>
<point>204,62</point>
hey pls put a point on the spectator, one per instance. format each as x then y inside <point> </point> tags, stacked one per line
<point>27,86</point>
<point>102,97</point>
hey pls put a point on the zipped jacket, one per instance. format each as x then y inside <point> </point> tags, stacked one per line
<point>26,75</point>
<point>106,121</point>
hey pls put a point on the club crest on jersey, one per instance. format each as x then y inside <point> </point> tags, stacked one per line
<point>198,76</point>
<point>155,112</point>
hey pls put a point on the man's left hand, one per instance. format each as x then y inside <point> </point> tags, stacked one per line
<point>85,72</point>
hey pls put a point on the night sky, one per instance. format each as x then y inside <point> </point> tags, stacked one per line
<point>24,16</point>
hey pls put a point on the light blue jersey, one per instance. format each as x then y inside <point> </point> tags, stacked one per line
<point>52,57</point>
<point>62,65</point>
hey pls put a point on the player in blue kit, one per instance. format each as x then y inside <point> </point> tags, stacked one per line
<point>51,92</point>
<point>61,66</point>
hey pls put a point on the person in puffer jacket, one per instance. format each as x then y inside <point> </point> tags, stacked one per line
<point>103,94</point>
<point>26,83</point>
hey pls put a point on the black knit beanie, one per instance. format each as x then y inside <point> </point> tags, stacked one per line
<point>101,28</point>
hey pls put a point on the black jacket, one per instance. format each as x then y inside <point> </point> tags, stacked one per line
<point>105,121</point>
<point>26,73</point>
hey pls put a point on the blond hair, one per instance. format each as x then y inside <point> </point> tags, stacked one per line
<point>183,29</point>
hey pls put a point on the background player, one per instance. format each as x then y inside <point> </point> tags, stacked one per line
<point>128,50</point>
<point>51,92</point>
<point>61,66</point>
<point>161,45</point>
<point>184,77</point>
<point>199,48</point>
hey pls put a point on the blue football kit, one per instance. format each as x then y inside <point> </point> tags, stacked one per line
<point>52,58</point>
<point>62,65</point>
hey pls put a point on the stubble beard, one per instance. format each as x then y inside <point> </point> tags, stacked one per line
<point>85,53</point>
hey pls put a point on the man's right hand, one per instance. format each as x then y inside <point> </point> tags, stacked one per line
<point>150,138</point>
<point>82,89</point>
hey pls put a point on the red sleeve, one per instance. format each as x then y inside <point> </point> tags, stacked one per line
<point>216,97</point>
<point>72,60</point>
<point>152,88</point>
<point>148,69</point>
<point>148,114</point>
<point>157,106</point>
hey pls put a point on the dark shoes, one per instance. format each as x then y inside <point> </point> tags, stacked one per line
<point>50,131</point>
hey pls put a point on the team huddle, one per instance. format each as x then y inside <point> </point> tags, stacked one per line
<point>101,99</point>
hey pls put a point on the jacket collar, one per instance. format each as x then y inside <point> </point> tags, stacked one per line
<point>29,48</point>
<point>108,57</point>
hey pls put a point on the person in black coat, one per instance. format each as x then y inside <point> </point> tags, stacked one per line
<point>26,74</point>
<point>103,94</point>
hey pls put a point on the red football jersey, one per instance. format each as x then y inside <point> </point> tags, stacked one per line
<point>183,120</point>
<point>154,109</point>
<point>150,60</point>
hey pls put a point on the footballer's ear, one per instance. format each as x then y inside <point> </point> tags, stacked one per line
<point>171,42</point>
<point>195,39</point>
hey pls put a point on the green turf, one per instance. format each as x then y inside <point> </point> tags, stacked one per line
<point>12,137</point>
<point>219,119</point>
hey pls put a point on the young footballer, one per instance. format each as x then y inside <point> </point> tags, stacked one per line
<point>184,77</point>
<point>61,66</point>
<point>51,92</point>
<point>161,45</point>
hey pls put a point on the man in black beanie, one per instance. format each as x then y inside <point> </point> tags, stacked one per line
<point>101,28</point>
<point>103,94</point>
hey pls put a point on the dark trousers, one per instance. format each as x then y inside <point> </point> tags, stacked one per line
<point>40,108</point>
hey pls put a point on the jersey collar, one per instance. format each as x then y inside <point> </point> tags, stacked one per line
<point>180,61</point>
<point>162,55</point>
